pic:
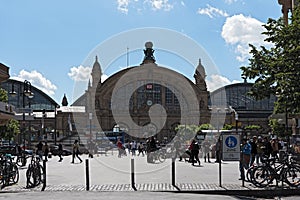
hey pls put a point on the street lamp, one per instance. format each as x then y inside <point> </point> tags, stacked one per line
<point>236,117</point>
<point>25,93</point>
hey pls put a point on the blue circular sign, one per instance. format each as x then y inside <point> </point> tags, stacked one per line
<point>231,141</point>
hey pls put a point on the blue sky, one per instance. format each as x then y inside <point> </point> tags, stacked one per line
<point>53,43</point>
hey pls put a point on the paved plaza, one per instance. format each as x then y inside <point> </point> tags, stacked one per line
<point>110,174</point>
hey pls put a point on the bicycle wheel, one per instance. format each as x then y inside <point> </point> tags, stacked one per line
<point>161,157</point>
<point>292,176</point>
<point>33,176</point>
<point>14,174</point>
<point>249,173</point>
<point>261,176</point>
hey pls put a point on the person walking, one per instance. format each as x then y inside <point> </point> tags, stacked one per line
<point>46,151</point>
<point>195,152</point>
<point>39,150</point>
<point>121,148</point>
<point>76,151</point>
<point>253,144</point>
<point>60,152</point>
<point>218,151</point>
<point>141,148</point>
<point>206,150</point>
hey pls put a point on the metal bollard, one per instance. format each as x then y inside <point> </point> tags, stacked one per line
<point>87,175</point>
<point>173,171</point>
<point>44,175</point>
<point>132,175</point>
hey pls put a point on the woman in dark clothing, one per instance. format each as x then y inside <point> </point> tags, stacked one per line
<point>195,152</point>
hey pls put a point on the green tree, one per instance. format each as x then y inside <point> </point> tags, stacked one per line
<point>3,95</point>
<point>10,130</point>
<point>276,70</point>
<point>277,128</point>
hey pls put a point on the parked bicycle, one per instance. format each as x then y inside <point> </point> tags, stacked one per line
<point>34,173</point>
<point>21,160</point>
<point>9,173</point>
<point>285,171</point>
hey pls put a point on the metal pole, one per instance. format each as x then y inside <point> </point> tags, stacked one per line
<point>24,120</point>
<point>87,174</point>
<point>44,175</point>
<point>132,175</point>
<point>55,137</point>
<point>220,166</point>
<point>173,171</point>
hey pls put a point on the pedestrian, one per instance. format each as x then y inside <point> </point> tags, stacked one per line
<point>133,147</point>
<point>178,151</point>
<point>206,150</point>
<point>267,148</point>
<point>218,151</point>
<point>253,144</point>
<point>275,148</point>
<point>151,148</point>
<point>121,148</point>
<point>141,148</point>
<point>91,147</point>
<point>245,157</point>
<point>39,150</point>
<point>195,152</point>
<point>46,151</point>
<point>76,151</point>
<point>60,152</point>
<point>260,150</point>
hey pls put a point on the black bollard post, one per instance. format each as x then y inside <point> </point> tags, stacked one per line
<point>44,175</point>
<point>173,172</point>
<point>87,174</point>
<point>132,175</point>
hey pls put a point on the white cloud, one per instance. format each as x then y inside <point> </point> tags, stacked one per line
<point>160,4</point>
<point>230,1</point>
<point>82,73</point>
<point>123,6</point>
<point>216,81</point>
<point>212,12</point>
<point>240,31</point>
<point>37,80</point>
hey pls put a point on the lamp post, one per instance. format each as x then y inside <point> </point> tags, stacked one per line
<point>25,93</point>
<point>236,117</point>
<point>236,121</point>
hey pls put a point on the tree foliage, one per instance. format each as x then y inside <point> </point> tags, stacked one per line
<point>3,95</point>
<point>10,130</point>
<point>277,70</point>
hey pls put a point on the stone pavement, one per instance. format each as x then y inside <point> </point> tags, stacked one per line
<point>109,173</point>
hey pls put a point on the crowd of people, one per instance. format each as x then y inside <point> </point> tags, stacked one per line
<point>252,150</point>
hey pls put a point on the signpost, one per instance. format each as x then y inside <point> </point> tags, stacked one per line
<point>231,147</point>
